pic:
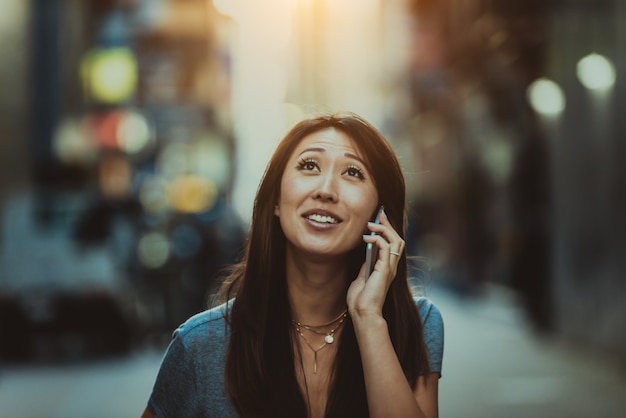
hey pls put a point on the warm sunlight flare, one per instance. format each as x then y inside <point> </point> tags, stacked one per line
<point>293,57</point>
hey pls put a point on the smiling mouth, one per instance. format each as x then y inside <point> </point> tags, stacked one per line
<point>322,219</point>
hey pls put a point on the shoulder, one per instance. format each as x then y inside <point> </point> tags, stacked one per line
<point>428,310</point>
<point>190,381</point>
<point>204,326</point>
<point>197,349</point>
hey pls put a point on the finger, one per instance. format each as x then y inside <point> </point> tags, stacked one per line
<point>378,239</point>
<point>395,240</point>
<point>389,249</point>
<point>385,231</point>
<point>384,227</point>
<point>391,237</point>
<point>389,254</point>
<point>384,263</point>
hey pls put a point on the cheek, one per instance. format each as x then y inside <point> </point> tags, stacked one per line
<point>365,202</point>
<point>293,190</point>
<point>372,195</point>
<point>287,194</point>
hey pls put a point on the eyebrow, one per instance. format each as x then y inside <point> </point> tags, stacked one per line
<point>347,154</point>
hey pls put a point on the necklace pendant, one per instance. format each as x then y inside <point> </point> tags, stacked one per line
<point>329,339</point>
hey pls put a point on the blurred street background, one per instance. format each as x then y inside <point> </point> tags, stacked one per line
<point>502,370</point>
<point>135,133</point>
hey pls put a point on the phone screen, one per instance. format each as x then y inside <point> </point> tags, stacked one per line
<point>371,250</point>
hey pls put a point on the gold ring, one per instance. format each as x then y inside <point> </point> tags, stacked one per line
<point>394,253</point>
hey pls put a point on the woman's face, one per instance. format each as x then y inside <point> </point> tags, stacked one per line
<point>327,195</point>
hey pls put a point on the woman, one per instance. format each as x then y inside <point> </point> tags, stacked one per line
<point>304,333</point>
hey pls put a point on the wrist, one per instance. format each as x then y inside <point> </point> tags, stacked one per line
<point>367,320</point>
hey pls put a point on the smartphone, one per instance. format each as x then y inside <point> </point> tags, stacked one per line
<point>371,250</point>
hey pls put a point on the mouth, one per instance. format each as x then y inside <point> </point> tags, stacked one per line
<point>322,217</point>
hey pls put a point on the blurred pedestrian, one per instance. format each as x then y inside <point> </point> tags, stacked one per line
<point>303,332</point>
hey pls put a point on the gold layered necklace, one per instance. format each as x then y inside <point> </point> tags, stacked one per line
<point>329,336</point>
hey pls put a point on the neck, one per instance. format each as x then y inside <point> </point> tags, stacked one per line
<point>317,288</point>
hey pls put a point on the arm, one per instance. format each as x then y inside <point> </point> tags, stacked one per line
<point>388,392</point>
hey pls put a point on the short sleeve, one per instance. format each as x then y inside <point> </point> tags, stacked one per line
<point>190,382</point>
<point>175,383</point>
<point>433,333</point>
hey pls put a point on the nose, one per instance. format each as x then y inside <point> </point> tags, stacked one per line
<point>326,189</point>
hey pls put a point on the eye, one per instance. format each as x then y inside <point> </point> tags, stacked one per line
<point>354,171</point>
<point>308,164</point>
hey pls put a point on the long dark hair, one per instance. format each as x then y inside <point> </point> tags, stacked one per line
<point>260,373</point>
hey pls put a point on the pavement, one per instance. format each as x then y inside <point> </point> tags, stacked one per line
<point>494,367</point>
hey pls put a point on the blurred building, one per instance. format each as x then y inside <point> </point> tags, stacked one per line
<point>588,60</point>
<point>514,126</point>
<point>14,150</point>
<point>481,195</point>
<point>116,194</point>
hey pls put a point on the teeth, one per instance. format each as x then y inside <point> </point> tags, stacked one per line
<point>323,219</point>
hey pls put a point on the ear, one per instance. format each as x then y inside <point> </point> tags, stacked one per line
<point>276,210</point>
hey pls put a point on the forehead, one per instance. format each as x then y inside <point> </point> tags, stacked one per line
<point>330,140</point>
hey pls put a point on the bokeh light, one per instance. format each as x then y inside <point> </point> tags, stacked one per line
<point>153,194</point>
<point>191,194</point>
<point>105,128</point>
<point>71,143</point>
<point>114,176</point>
<point>174,159</point>
<point>596,72</point>
<point>110,74</point>
<point>133,132</point>
<point>153,249</point>
<point>546,97</point>
<point>210,159</point>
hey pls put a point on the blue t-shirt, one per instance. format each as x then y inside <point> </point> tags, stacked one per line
<point>190,382</point>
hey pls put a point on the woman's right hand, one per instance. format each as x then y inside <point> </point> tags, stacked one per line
<point>366,296</point>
